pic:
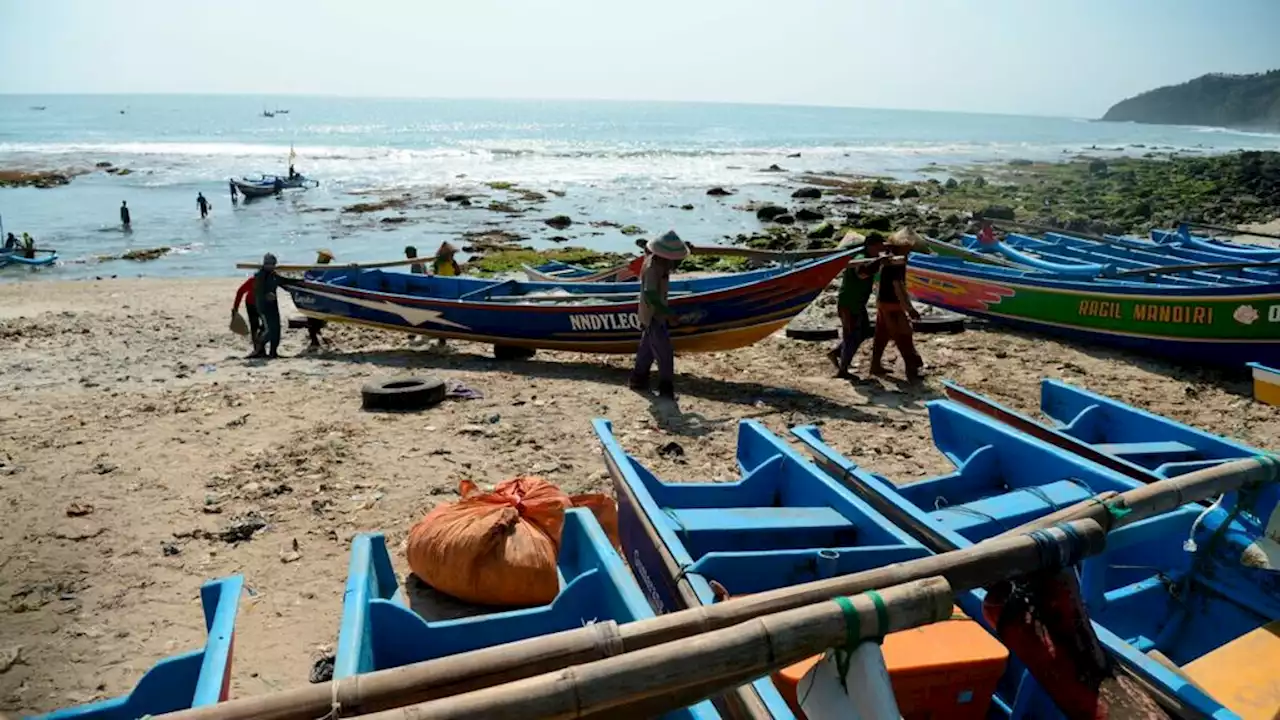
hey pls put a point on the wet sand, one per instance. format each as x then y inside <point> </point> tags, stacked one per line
<point>130,397</point>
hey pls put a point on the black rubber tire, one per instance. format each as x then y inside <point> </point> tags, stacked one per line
<point>403,394</point>
<point>512,352</point>
<point>944,323</point>
<point>297,323</point>
<point>813,334</point>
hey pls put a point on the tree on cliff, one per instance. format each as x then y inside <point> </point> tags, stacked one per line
<point>1237,101</point>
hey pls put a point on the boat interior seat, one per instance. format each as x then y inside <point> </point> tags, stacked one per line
<point>1143,449</point>
<point>991,515</point>
<point>761,528</point>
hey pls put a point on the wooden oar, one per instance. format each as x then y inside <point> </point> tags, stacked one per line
<point>333,266</point>
<point>774,255</point>
<point>729,657</point>
<point>542,297</point>
<point>982,565</point>
<point>1116,510</point>
<point>1233,231</point>
<point>1192,267</point>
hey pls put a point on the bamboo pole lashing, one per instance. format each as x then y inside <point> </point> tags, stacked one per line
<point>979,566</point>
<point>731,656</point>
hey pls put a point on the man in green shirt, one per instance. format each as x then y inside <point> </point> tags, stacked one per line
<point>856,286</point>
<point>662,255</point>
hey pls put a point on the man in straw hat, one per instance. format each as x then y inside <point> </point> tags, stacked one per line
<point>894,311</point>
<point>314,326</point>
<point>444,264</point>
<point>856,286</point>
<point>662,256</point>
<point>265,283</point>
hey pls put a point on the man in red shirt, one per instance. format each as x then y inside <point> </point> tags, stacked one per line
<point>245,293</point>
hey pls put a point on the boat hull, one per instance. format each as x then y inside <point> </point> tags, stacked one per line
<point>1217,325</point>
<point>1266,384</point>
<point>18,259</point>
<point>710,314</point>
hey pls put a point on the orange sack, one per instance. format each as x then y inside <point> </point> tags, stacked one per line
<point>494,548</point>
<point>605,508</point>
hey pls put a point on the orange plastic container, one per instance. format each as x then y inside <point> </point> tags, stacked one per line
<point>944,671</point>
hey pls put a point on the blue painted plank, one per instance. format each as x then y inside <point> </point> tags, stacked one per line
<point>759,519</point>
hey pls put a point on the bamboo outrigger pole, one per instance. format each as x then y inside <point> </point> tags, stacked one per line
<point>979,566</point>
<point>709,662</point>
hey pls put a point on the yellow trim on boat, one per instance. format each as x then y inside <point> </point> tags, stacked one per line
<point>1266,384</point>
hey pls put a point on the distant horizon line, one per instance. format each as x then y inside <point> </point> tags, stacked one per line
<point>538,99</point>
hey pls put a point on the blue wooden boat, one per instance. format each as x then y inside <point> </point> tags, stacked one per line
<point>384,627</point>
<point>783,523</point>
<point>193,679</point>
<point>711,314</point>
<point>17,259</point>
<point>1183,584</point>
<point>264,185</point>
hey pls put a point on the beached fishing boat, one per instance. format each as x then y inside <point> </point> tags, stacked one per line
<point>710,314</point>
<point>387,626</point>
<point>17,259</point>
<point>193,679</point>
<point>1196,587</point>
<point>1221,322</point>
<point>264,185</point>
<point>781,524</point>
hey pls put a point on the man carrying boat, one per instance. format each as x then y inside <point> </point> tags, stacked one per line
<point>417,268</point>
<point>324,257</point>
<point>28,246</point>
<point>265,283</point>
<point>662,257</point>
<point>856,286</point>
<point>894,311</point>
<point>444,265</point>
<point>10,243</point>
<point>245,293</point>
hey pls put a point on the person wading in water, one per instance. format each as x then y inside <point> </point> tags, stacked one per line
<point>203,204</point>
<point>664,254</point>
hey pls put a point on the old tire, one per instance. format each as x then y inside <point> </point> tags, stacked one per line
<point>403,394</point>
<point>512,352</point>
<point>813,334</point>
<point>943,323</point>
<point>297,323</point>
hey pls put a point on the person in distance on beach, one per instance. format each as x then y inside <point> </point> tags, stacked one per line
<point>125,220</point>
<point>265,284</point>
<point>662,256</point>
<point>203,205</point>
<point>417,268</point>
<point>894,311</point>
<point>987,235</point>
<point>856,286</point>
<point>235,193</point>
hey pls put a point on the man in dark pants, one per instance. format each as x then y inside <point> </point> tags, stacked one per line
<point>265,284</point>
<point>203,205</point>
<point>125,220</point>
<point>235,194</point>
<point>245,293</point>
<point>664,254</point>
<point>894,311</point>
<point>856,286</point>
<point>314,326</point>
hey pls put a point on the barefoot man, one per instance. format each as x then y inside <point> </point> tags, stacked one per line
<point>664,254</point>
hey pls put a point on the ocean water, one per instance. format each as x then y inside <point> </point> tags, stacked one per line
<point>629,163</point>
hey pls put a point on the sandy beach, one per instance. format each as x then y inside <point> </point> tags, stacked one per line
<point>132,435</point>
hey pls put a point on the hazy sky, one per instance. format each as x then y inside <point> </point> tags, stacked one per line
<point>1074,57</point>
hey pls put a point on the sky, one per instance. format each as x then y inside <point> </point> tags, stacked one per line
<point>1036,57</point>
